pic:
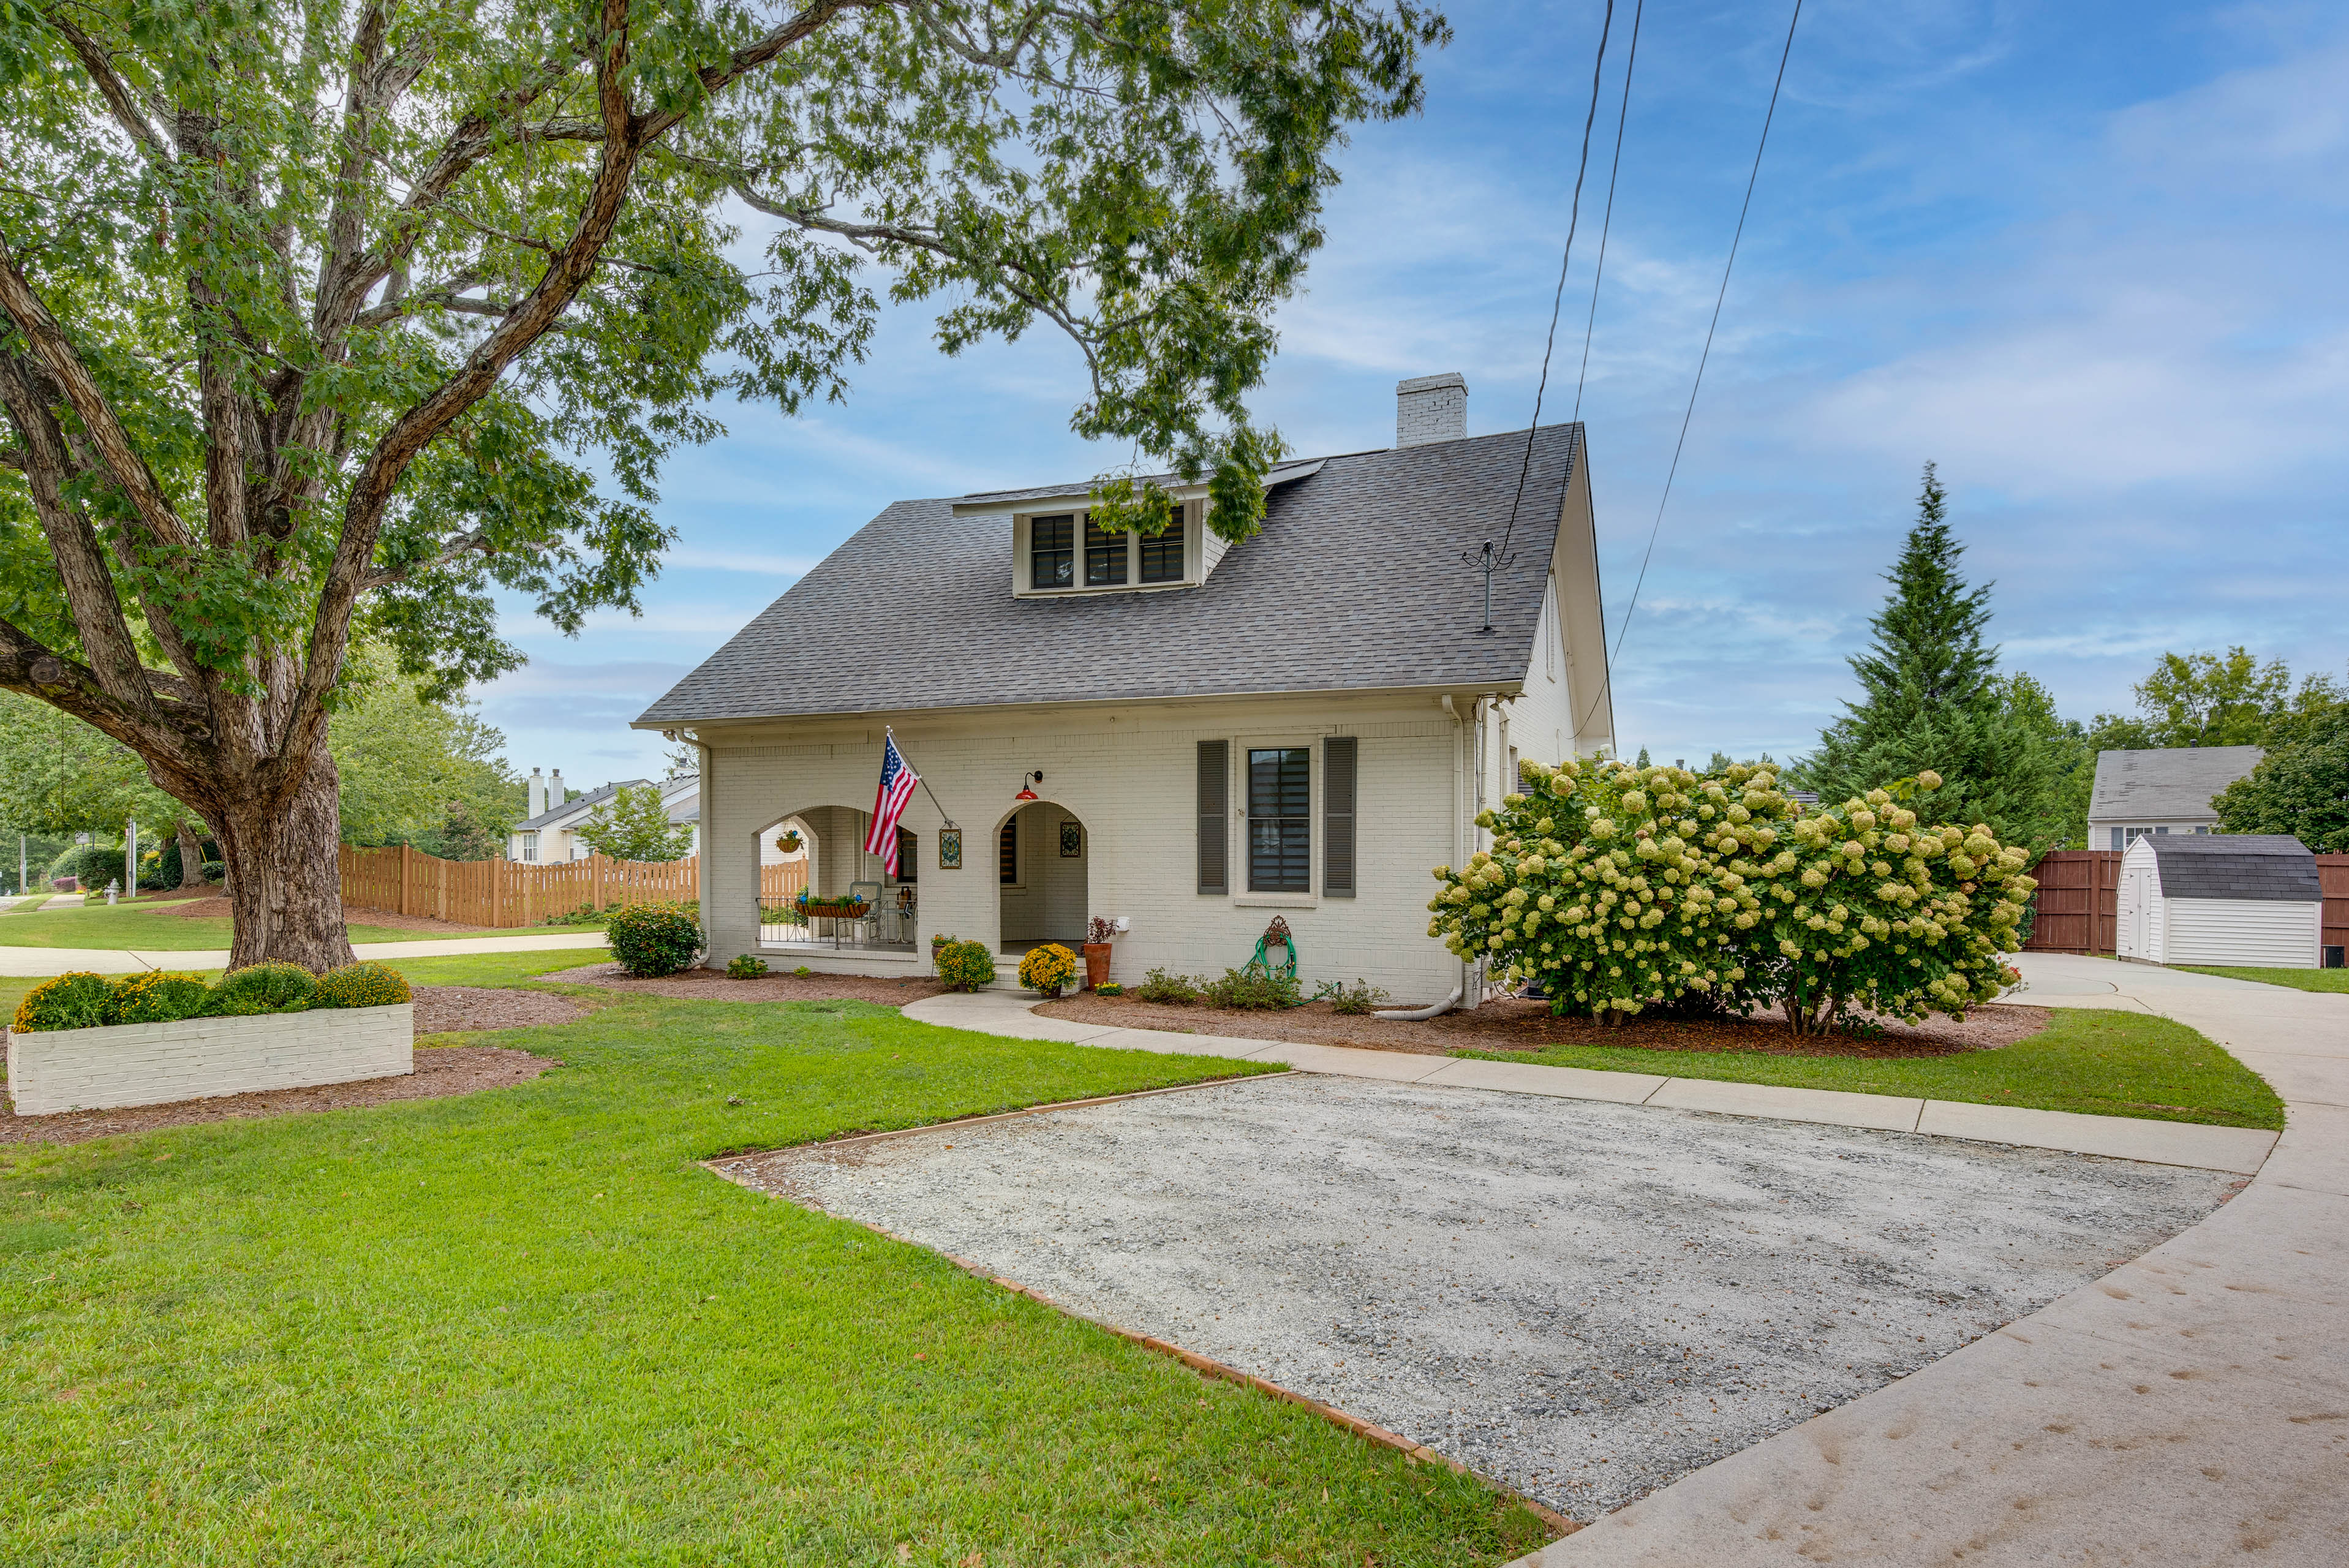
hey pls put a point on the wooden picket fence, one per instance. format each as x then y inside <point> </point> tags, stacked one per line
<point>501,892</point>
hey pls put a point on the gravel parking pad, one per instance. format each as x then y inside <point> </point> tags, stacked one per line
<point>1584,1300</point>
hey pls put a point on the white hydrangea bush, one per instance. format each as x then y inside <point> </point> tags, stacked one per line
<point>1619,888</point>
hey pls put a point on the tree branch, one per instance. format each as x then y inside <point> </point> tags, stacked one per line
<point>111,87</point>
<point>47,340</point>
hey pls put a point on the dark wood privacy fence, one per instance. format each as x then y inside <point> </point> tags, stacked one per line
<point>2079,899</point>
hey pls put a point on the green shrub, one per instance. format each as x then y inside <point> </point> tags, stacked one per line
<point>1109,989</point>
<point>746,966</point>
<point>94,866</point>
<point>965,966</point>
<point>74,1001</point>
<point>215,871</point>
<point>260,988</point>
<point>1359,997</point>
<point>1163,986</point>
<point>1251,989</point>
<point>161,997</point>
<point>652,939</point>
<point>1046,968</point>
<point>584,914</point>
<point>363,985</point>
<point>1618,888</point>
<point>802,971</point>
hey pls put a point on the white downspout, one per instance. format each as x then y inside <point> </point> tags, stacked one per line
<point>1459,853</point>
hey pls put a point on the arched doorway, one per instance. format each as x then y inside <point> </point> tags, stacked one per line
<point>829,860</point>
<point>1043,894</point>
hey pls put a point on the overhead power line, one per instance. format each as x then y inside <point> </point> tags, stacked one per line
<point>1702,360</point>
<point>1492,559</point>
<point>1607,223</point>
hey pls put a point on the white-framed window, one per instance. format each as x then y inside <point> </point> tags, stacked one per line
<point>1063,552</point>
<point>530,847</point>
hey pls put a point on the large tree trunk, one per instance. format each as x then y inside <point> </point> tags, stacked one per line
<point>191,854</point>
<point>285,881</point>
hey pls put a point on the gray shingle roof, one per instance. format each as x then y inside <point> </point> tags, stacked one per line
<point>1355,583</point>
<point>2270,867</point>
<point>593,798</point>
<point>2166,785</point>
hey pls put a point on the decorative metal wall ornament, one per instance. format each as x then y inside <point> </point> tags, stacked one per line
<point>1072,839</point>
<point>949,849</point>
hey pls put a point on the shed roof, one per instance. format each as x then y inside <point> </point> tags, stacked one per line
<point>2168,784</point>
<point>1355,583</point>
<point>2270,867</point>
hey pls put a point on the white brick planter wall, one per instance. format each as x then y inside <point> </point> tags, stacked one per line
<point>198,1058</point>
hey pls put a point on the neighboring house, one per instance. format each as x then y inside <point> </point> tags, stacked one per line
<point>2157,793</point>
<point>2226,899</point>
<point>1197,737</point>
<point>550,834</point>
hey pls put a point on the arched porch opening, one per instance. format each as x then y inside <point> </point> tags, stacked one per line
<point>1043,852</point>
<point>830,862</point>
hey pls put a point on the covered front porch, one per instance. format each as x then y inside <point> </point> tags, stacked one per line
<point>840,900</point>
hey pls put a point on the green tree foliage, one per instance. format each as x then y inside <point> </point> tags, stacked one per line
<point>319,323</point>
<point>415,771</point>
<point>1619,888</point>
<point>2228,698</point>
<point>633,825</point>
<point>1933,699</point>
<point>2301,788</point>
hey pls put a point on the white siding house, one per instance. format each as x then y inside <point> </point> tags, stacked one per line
<point>550,834</point>
<point>1196,736</point>
<point>2141,794</point>
<point>2244,900</point>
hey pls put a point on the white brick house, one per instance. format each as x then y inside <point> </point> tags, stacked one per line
<point>1300,724</point>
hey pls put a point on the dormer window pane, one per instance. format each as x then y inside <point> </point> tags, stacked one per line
<point>1052,552</point>
<point>1162,557</point>
<point>1104,556</point>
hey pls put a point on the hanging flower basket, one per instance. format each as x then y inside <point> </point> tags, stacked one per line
<point>788,842</point>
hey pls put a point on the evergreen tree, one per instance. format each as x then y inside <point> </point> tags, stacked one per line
<point>1931,696</point>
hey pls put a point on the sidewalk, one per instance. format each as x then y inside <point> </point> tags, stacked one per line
<point>2190,1407</point>
<point>2235,1149</point>
<point>24,962</point>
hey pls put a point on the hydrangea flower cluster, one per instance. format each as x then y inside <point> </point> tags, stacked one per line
<point>1618,888</point>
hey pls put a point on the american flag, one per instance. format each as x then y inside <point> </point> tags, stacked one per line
<point>897,782</point>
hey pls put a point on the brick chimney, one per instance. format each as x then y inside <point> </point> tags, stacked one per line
<point>1430,408</point>
<point>537,794</point>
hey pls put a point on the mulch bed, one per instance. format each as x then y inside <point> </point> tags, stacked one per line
<point>450,1071</point>
<point>451,1009</point>
<point>220,909</point>
<point>715,986</point>
<point>1515,1025</point>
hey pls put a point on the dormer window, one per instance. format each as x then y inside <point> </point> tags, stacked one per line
<point>1162,557</point>
<point>1105,557</point>
<point>1053,551</point>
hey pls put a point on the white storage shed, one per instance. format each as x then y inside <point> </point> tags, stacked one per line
<point>2252,900</point>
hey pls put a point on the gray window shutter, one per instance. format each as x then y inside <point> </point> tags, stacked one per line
<point>1215,814</point>
<point>1338,758</point>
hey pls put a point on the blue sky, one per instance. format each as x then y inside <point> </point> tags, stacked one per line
<point>2086,256</point>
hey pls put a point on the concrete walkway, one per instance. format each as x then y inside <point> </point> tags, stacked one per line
<point>2190,1407</point>
<point>2239,1150</point>
<point>22,962</point>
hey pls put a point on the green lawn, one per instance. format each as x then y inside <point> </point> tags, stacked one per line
<point>525,1327</point>
<point>2298,979</point>
<point>153,927</point>
<point>2103,1063</point>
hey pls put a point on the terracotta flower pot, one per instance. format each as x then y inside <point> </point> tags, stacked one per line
<point>1097,956</point>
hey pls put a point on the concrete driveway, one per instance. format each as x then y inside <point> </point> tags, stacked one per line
<point>2190,1407</point>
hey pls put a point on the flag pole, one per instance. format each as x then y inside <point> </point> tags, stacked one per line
<point>891,732</point>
